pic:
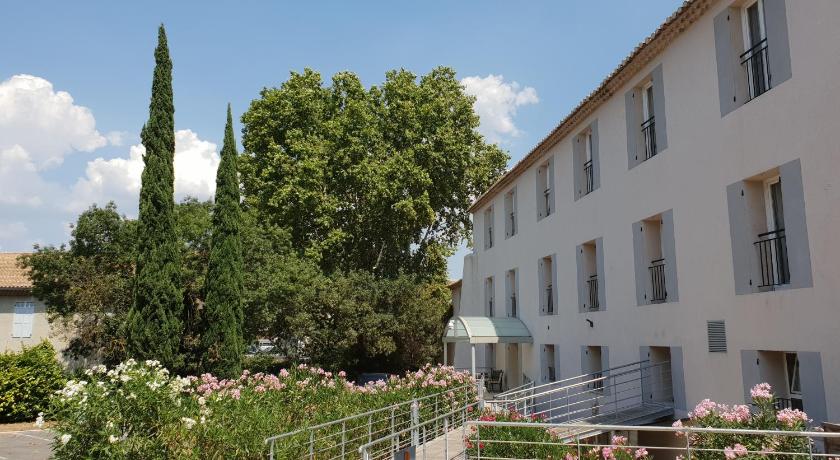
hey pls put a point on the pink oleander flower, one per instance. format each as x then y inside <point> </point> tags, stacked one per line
<point>703,408</point>
<point>619,440</point>
<point>735,451</point>
<point>737,414</point>
<point>641,453</point>
<point>792,417</point>
<point>342,374</point>
<point>761,391</point>
<point>283,373</point>
<point>571,457</point>
<point>607,453</point>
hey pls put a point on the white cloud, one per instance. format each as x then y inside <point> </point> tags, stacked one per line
<point>20,182</point>
<point>44,122</point>
<point>118,179</point>
<point>496,103</point>
<point>116,138</point>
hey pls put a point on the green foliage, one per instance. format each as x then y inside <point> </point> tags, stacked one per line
<point>377,179</point>
<point>87,287</point>
<point>154,322</point>
<point>364,323</point>
<point>137,410</point>
<point>222,318</point>
<point>27,380</point>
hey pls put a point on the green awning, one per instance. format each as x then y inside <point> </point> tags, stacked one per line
<point>482,329</point>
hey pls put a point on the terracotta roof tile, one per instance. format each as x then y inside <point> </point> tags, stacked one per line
<point>12,276</point>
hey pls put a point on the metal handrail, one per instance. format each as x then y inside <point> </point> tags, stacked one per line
<point>756,62</point>
<point>588,174</point>
<point>365,414</point>
<point>586,382</point>
<point>569,379</point>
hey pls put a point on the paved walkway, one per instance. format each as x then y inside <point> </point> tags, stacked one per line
<point>25,445</point>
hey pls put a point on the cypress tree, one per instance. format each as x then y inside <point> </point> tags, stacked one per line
<point>221,331</point>
<point>153,325</point>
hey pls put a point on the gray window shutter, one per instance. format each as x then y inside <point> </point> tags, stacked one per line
<point>778,46</point>
<point>678,379</point>
<point>741,238</point>
<point>813,386</point>
<point>553,194</point>
<point>633,127</point>
<point>602,280</point>
<point>596,164</point>
<point>516,291</point>
<point>749,372</point>
<point>659,109</point>
<point>640,263</point>
<point>669,252</point>
<point>583,296</point>
<point>541,283</point>
<point>578,157</point>
<point>725,56</point>
<point>584,360</point>
<point>796,229</point>
<point>554,287</point>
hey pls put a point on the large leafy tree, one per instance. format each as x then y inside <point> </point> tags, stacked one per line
<point>221,317</point>
<point>154,324</point>
<point>375,179</point>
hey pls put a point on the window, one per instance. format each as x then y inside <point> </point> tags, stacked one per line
<point>549,365</point>
<point>754,59</point>
<point>594,363</point>
<point>792,371</point>
<point>22,320</point>
<point>488,228</point>
<point>512,289</point>
<point>645,113</point>
<point>548,296</point>
<point>489,296</point>
<point>770,248</point>
<point>654,250</point>
<point>490,358</point>
<point>752,51</point>
<point>545,189</point>
<point>590,264</point>
<point>585,160</point>
<point>510,213</point>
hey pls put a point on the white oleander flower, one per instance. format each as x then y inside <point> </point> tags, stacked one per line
<point>65,438</point>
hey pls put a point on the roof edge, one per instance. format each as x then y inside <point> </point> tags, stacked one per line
<point>642,55</point>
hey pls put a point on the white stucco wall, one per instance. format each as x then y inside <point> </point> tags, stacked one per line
<point>798,119</point>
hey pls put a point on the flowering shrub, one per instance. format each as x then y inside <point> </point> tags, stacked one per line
<point>27,379</point>
<point>762,416</point>
<point>517,442</point>
<point>137,410</point>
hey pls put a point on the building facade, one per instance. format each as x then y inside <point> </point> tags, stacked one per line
<point>686,211</point>
<point>23,318</point>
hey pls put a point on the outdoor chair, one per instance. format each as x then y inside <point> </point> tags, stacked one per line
<point>495,380</point>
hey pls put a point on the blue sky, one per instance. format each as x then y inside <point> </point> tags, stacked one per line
<point>75,80</point>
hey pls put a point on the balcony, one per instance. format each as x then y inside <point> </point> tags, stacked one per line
<point>649,137</point>
<point>592,284</point>
<point>547,197</point>
<point>587,173</point>
<point>657,281</point>
<point>773,258</point>
<point>754,61</point>
<point>549,300</point>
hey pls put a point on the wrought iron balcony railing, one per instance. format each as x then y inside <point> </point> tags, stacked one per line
<point>755,62</point>
<point>657,281</point>
<point>592,284</point>
<point>773,258</point>
<point>549,300</point>
<point>587,172</point>
<point>547,196</point>
<point>649,137</point>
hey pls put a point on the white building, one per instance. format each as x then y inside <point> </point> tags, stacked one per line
<point>687,211</point>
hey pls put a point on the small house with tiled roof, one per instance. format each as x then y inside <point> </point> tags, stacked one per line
<point>23,318</point>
